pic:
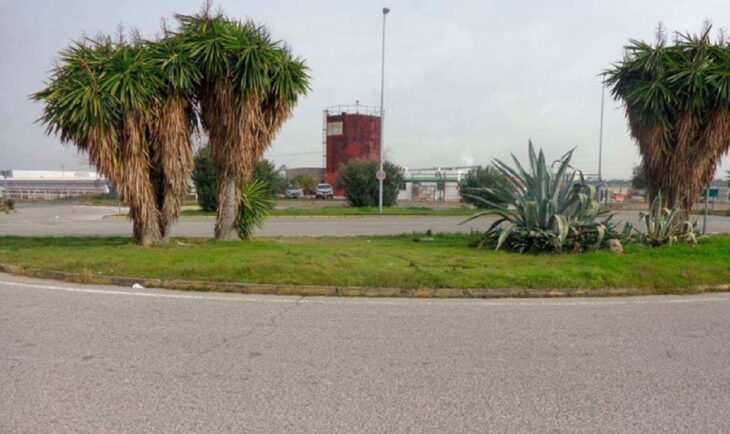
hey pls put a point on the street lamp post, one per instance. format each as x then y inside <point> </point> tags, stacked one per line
<point>382,117</point>
<point>600,135</point>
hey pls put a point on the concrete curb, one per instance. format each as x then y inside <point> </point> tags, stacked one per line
<point>349,291</point>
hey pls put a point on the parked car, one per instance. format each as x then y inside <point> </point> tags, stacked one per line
<point>324,191</point>
<point>293,192</point>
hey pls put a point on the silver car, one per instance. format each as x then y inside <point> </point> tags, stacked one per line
<point>293,193</point>
<point>324,191</point>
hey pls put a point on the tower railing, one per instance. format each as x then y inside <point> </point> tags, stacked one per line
<point>352,109</point>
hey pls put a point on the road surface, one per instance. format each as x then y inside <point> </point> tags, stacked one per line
<point>71,220</point>
<point>95,359</point>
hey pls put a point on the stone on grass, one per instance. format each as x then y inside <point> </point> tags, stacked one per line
<point>615,246</point>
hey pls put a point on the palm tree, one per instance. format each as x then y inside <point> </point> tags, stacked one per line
<point>249,87</point>
<point>677,100</point>
<point>99,98</point>
<point>127,105</point>
<point>132,107</point>
<point>174,122</point>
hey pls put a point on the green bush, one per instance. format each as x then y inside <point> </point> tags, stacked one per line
<point>546,210</point>
<point>361,187</point>
<point>638,177</point>
<point>266,172</point>
<point>256,204</point>
<point>7,205</point>
<point>306,182</point>
<point>204,177</point>
<point>480,182</point>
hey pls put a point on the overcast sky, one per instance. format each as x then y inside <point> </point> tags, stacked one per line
<point>466,81</point>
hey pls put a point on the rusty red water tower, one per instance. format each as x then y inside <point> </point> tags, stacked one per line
<point>349,132</point>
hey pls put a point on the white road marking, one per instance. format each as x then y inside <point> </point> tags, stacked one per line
<point>249,298</point>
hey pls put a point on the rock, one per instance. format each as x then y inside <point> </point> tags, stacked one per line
<point>615,246</point>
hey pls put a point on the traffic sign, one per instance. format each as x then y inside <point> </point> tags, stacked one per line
<point>380,175</point>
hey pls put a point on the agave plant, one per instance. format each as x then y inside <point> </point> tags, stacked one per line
<point>664,226</point>
<point>545,208</point>
<point>256,203</point>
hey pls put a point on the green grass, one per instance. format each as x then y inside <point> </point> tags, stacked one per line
<point>351,211</point>
<point>716,212</point>
<point>396,261</point>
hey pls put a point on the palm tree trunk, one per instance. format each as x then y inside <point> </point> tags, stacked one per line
<point>146,233</point>
<point>228,201</point>
<point>136,186</point>
<point>173,158</point>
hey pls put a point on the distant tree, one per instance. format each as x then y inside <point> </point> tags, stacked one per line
<point>306,182</point>
<point>482,182</point>
<point>361,187</point>
<point>265,172</point>
<point>638,177</point>
<point>205,179</point>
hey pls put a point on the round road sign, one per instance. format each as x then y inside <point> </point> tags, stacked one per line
<point>380,175</point>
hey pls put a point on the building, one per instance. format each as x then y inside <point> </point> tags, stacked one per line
<point>435,184</point>
<point>349,132</point>
<point>50,184</point>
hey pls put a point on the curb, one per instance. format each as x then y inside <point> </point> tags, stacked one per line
<point>349,291</point>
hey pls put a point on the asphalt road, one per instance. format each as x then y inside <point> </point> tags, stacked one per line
<point>103,359</point>
<point>70,220</point>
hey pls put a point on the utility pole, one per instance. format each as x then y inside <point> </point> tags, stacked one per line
<point>707,204</point>
<point>600,136</point>
<point>381,173</point>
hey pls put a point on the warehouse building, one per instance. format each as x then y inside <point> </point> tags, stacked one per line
<point>50,184</point>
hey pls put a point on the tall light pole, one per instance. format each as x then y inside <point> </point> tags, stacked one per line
<point>381,173</point>
<point>600,135</point>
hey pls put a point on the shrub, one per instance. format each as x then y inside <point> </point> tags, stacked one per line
<point>306,182</point>
<point>477,182</point>
<point>266,172</point>
<point>545,210</point>
<point>638,177</point>
<point>7,205</point>
<point>204,177</point>
<point>205,180</point>
<point>256,204</point>
<point>361,187</point>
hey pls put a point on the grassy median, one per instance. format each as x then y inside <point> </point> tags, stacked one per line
<point>408,261</point>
